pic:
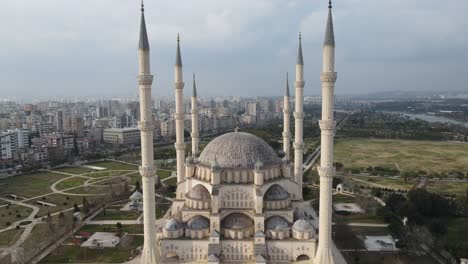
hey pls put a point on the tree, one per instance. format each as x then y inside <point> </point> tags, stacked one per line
<point>76,208</point>
<point>85,206</point>
<point>137,186</point>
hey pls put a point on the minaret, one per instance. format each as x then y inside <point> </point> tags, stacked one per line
<point>179,115</point>
<point>326,254</point>
<point>194,113</point>
<point>147,168</point>
<point>299,118</point>
<point>286,122</point>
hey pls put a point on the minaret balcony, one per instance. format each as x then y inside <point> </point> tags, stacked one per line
<point>145,125</point>
<point>145,79</point>
<point>300,84</point>
<point>328,77</point>
<point>179,85</point>
<point>326,172</point>
<point>328,125</point>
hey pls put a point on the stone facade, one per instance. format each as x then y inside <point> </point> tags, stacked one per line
<point>237,203</point>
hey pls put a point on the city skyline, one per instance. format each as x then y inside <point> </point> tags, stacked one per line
<point>87,48</point>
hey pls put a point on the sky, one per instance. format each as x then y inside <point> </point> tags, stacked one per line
<point>88,48</point>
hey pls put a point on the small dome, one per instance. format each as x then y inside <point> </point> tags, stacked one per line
<point>302,225</point>
<point>199,192</point>
<point>277,222</point>
<point>237,221</point>
<point>198,222</point>
<point>136,196</point>
<point>238,150</point>
<point>275,193</point>
<point>172,225</point>
<point>189,159</point>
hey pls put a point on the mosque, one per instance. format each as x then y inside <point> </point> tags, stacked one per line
<point>238,201</point>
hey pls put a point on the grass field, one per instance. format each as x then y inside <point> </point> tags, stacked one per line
<point>29,185</point>
<point>74,170</point>
<point>112,165</point>
<point>387,258</point>
<point>117,215</point>
<point>60,200</point>
<point>384,182</point>
<point>132,229</point>
<point>12,214</point>
<point>70,183</point>
<point>432,156</point>
<point>75,254</point>
<point>9,237</point>
<point>446,187</point>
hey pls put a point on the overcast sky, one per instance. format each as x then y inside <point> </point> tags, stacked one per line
<point>236,47</point>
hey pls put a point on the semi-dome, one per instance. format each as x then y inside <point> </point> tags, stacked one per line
<point>277,222</point>
<point>198,222</point>
<point>199,192</point>
<point>238,150</point>
<point>237,221</point>
<point>172,225</point>
<point>302,225</point>
<point>276,193</point>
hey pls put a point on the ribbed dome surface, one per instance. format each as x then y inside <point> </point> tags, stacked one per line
<point>277,222</point>
<point>199,192</point>
<point>276,193</point>
<point>238,150</point>
<point>198,222</point>
<point>302,225</point>
<point>172,225</point>
<point>237,221</point>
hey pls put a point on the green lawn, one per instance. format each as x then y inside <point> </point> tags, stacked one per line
<point>111,214</point>
<point>60,200</point>
<point>384,182</point>
<point>341,198</point>
<point>113,165</point>
<point>12,214</point>
<point>29,185</point>
<point>9,237</point>
<point>70,183</point>
<point>94,190</point>
<point>446,187</point>
<point>171,182</point>
<point>387,258</point>
<point>432,156</point>
<point>108,173</point>
<point>164,174</point>
<point>74,254</point>
<point>133,229</point>
<point>74,170</point>
<point>370,231</point>
<point>457,230</point>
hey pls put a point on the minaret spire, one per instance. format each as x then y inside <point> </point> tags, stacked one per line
<point>147,168</point>
<point>178,61</point>
<point>286,122</point>
<point>300,59</point>
<point>143,43</point>
<point>179,120</point>
<point>194,113</point>
<point>299,118</point>
<point>194,90</point>
<point>329,33</point>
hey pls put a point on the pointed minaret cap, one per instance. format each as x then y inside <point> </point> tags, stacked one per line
<point>194,91</point>
<point>329,33</point>
<point>286,92</point>
<point>178,61</point>
<point>300,60</point>
<point>143,43</point>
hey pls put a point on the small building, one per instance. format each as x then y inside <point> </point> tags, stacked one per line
<point>125,136</point>
<point>102,240</point>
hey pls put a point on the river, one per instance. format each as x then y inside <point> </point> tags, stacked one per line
<point>432,118</point>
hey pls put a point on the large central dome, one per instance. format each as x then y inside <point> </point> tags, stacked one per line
<point>238,150</point>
